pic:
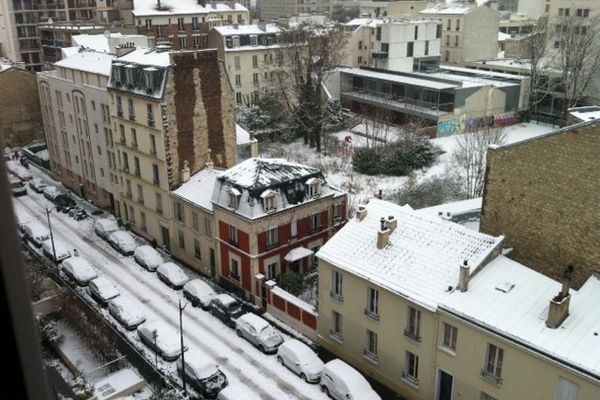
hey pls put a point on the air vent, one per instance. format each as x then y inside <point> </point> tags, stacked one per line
<point>505,287</point>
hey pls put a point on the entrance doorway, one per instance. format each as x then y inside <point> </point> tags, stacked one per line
<point>445,385</point>
<point>166,239</point>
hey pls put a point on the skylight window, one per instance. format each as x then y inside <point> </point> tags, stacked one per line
<point>505,287</point>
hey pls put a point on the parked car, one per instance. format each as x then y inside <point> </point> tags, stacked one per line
<point>123,242</point>
<point>226,308</point>
<point>199,293</point>
<point>79,270</point>
<point>259,332</point>
<point>103,290</point>
<point>17,187</point>
<point>37,185</point>
<point>342,382</point>
<point>22,173</point>
<point>64,202</point>
<point>105,226</point>
<point>127,312</point>
<point>50,192</point>
<point>62,251</point>
<point>161,338</point>
<point>148,257</point>
<point>301,359</point>
<point>171,274</point>
<point>235,392</point>
<point>22,220</point>
<point>35,233</point>
<point>203,374</point>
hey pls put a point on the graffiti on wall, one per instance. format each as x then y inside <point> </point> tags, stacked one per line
<point>448,128</point>
<point>454,126</point>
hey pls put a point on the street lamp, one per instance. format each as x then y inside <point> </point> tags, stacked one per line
<point>182,347</point>
<point>51,236</point>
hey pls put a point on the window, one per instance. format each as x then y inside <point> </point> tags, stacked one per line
<point>586,13</point>
<point>237,62</point>
<point>136,164</point>
<point>493,364</point>
<point>180,24</point>
<point>134,141</point>
<point>155,175</point>
<point>438,32</point>
<point>294,228</point>
<point>255,61</point>
<point>125,162</point>
<point>119,106</point>
<point>195,24</point>
<point>413,329</point>
<point>371,346</point>
<point>253,40</point>
<point>238,98</point>
<point>272,270</point>
<point>140,194</point>
<point>456,41</point>
<point>360,45</point>
<point>234,273</point>
<point>378,33</point>
<point>272,239</point>
<point>238,80</point>
<point>179,212</point>
<point>449,27</point>
<point>337,212</point>
<point>314,223</point>
<point>447,55</point>
<point>447,40</point>
<point>181,239</point>
<point>359,59</point>
<point>143,224</point>
<point>234,198</point>
<point>182,42</point>
<point>255,78</point>
<point>233,235</point>
<point>197,252</point>
<point>566,390</point>
<point>416,32</point>
<point>131,109</point>
<point>207,227</point>
<point>485,396</point>
<point>131,215</point>
<point>372,309</point>
<point>449,339</point>
<point>457,25</point>
<point>152,144</point>
<point>148,24</point>
<point>159,207</point>
<point>313,187</point>
<point>336,285</point>
<point>150,115</point>
<point>195,223</point>
<point>336,326</point>
<point>411,372</point>
<point>427,47</point>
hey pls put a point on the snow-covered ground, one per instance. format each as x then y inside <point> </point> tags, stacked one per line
<point>338,168</point>
<point>243,364</point>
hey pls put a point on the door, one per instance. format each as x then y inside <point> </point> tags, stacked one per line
<point>213,263</point>
<point>445,386</point>
<point>166,238</point>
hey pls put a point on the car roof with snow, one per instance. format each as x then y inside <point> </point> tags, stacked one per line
<point>106,223</point>
<point>146,251</point>
<point>225,299</point>
<point>257,322</point>
<point>170,268</point>
<point>80,267</point>
<point>127,306</point>
<point>198,286</point>
<point>202,366</point>
<point>355,381</point>
<point>122,236</point>
<point>37,229</point>
<point>236,392</point>
<point>167,337</point>
<point>105,286</point>
<point>59,246</point>
<point>298,347</point>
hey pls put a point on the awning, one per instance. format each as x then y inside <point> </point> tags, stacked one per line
<point>297,254</point>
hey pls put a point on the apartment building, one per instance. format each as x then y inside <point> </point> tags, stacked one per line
<point>469,31</point>
<point>434,311</point>
<point>77,125</point>
<point>394,8</point>
<point>270,217</point>
<point>172,112</point>
<point>185,24</point>
<point>272,10</point>
<point>248,54</point>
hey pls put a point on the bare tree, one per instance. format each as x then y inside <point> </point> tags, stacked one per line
<point>470,156</point>
<point>536,52</point>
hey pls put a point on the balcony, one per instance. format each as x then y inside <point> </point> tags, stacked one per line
<point>379,55</point>
<point>372,357</point>
<point>272,245</point>
<point>337,336</point>
<point>372,315</point>
<point>337,297</point>
<point>491,378</point>
<point>234,276</point>
<point>132,117</point>
<point>398,103</point>
<point>413,335</point>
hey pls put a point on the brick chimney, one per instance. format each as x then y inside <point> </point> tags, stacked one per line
<point>361,212</point>
<point>391,223</point>
<point>559,305</point>
<point>383,234</point>
<point>463,276</point>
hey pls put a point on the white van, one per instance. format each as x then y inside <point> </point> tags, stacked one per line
<point>342,382</point>
<point>235,392</point>
<point>36,233</point>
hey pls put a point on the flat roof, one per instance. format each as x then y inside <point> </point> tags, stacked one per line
<point>143,8</point>
<point>417,80</point>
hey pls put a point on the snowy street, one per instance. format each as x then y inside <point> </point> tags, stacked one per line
<point>241,362</point>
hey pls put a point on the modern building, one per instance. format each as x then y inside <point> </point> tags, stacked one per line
<point>247,51</point>
<point>469,31</point>
<point>272,10</point>
<point>185,24</point>
<point>77,125</point>
<point>58,35</point>
<point>172,112</point>
<point>542,194</point>
<point>20,113</point>
<point>395,8</point>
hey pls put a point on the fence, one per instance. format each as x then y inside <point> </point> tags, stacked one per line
<point>292,311</point>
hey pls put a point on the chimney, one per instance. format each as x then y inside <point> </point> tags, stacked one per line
<point>380,196</point>
<point>391,223</point>
<point>559,305</point>
<point>209,162</point>
<point>361,212</point>
<point>185,172</point>
<point>463,276</point>
<point>124,48</point>
<point>383,234</point>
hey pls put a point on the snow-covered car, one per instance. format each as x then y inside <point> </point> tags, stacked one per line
<point>64,202</point>
<point>123,242</point>
<point>37,185</point>
<point>161,338</point>
<point>62,251</point>
<point>103,290</point>
<point>127,312</point>
<point>105,226</point>
<point>148,257</point>
<point>79,269</point>
<point>342,382</point>
<point>172,274</point>
<point>36,233</point>
<point>236,392</point>
<point>301,359</point>
<point>199,293</point>
<point>50,192</point>
<point>226,308</point>
<point>23,173</point>
<point>22,220</point>
<point>259,332</point>
<point>203,374</point>
<point>17,187</point>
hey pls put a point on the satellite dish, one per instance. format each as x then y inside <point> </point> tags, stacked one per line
<point>107,33</point>
<point>50,20</point>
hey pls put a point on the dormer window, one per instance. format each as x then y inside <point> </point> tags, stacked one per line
<point>234,198</point>
<point>268,199</point>
<point>313,187</point>
<point>236,41</point>
<point>253,40</point>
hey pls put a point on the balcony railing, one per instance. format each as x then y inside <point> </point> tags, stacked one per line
<point>490,377</point>
<point>413,335</point>
<point>399,101</point>
<point>336,296</point>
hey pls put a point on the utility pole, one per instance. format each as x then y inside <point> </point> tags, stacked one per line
<point>182,348</point>
<point>51,236</point>
<point>154,335</point>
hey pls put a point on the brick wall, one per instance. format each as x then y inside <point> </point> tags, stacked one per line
<point>544,196</point>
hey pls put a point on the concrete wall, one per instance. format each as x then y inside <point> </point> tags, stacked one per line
<point>543,196</point>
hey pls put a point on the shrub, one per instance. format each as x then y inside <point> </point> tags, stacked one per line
<point>430,192</point>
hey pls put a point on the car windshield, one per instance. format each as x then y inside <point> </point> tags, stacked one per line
<point>234,308</point>
<point>214,381</point>
<point>16,185</point>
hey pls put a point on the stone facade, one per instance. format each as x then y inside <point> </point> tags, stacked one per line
<point>543,195</point>
<point>20,115</point>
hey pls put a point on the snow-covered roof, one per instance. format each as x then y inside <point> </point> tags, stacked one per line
<point>199,189</point>
<point>233,30</point>
<point>585,113</point>
<point>145,56</point>
<point>520,313</point>
<point>452,7</point>
<point>243,136</point>
<point>88,61</point>
<point>142,8</point>
<point>454,208</point>
<point>358,22</point>
<point>415,80</point>
<point>253,176</point>
<point>97,42</point>
<point>503,36</point>
<point>257,322</point>
<point>297,254</point>
<point>422,258</point>
<point>69,51</point>
<point>5,64</point>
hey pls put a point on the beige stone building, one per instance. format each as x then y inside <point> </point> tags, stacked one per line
<point>247,51</point>
<point>469,31</point>
<point>394,8</point>
<point>172,112</point>
<point>20,115</point>
<point>542,194</point>
<point>433,311</point>
<point>272,10</point>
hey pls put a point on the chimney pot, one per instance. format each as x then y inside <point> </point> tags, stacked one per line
<point>391,223</point>
<point>361,212</point>
<point>463,277</point>
<point>185,172</point>
<point>382,223</point>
